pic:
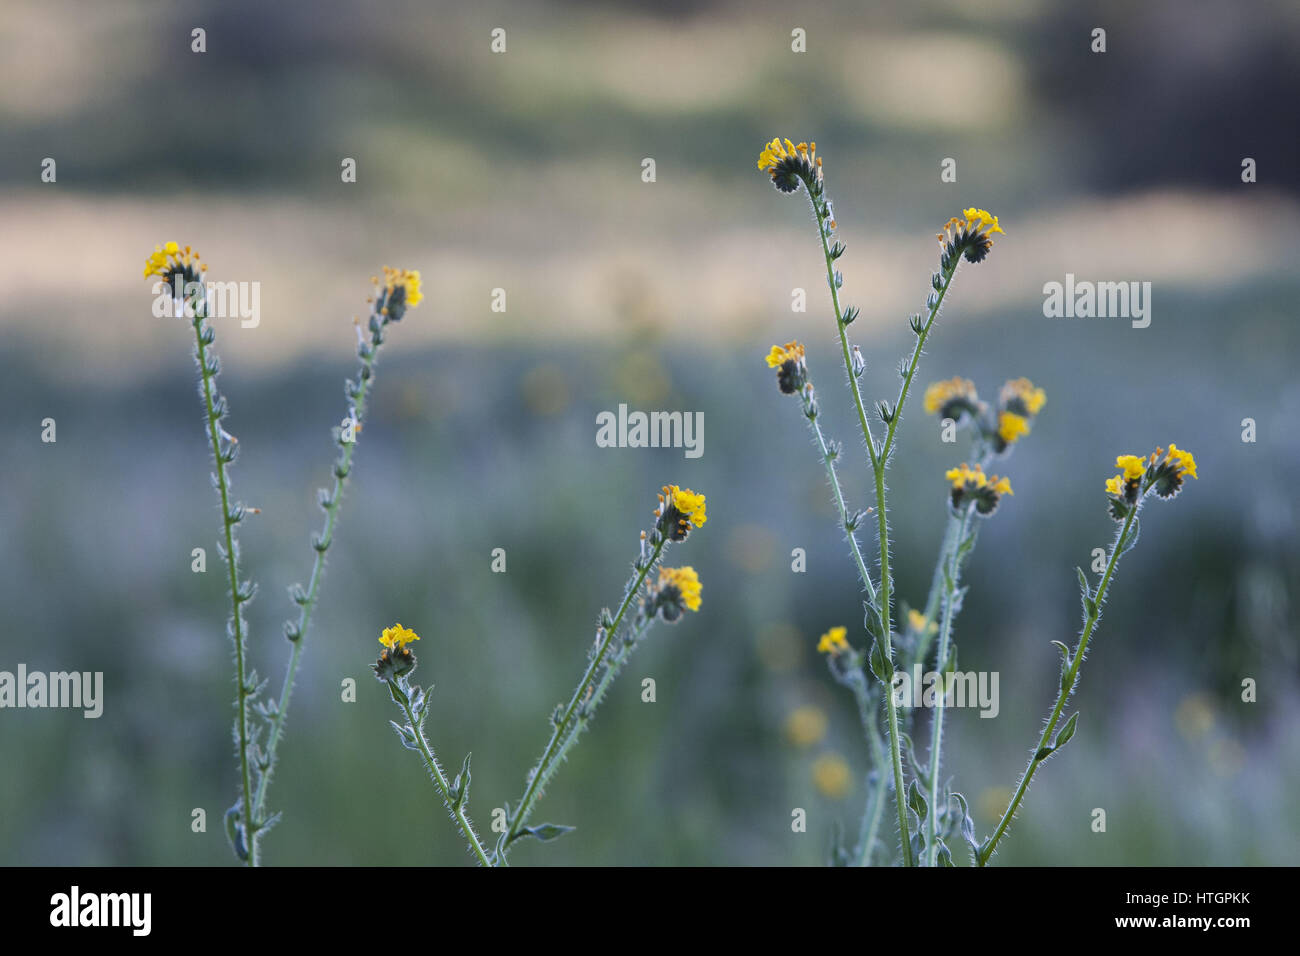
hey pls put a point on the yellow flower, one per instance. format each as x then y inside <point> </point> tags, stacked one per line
<point>1182,460</point>
<point>968,235</point>
<point>1134,467</point>
<point>401,291</point>
<point>832,776</point>
<point>687,585</point>
<point>952,397</point>
<point>789,164</point>
<point>689,503</point>
<point>916,620</point>
<point>169,259</point>
<point>1022,397</point>
<point>1115,486</point>
<point>679,508</point>
<point>1011,426</point>
<point>781,354</point>
<point>397,636</point>
<point>980,219</point>
<point>971,484</point>
<point>833,641</point>
<point>964,474</point>
<point>805,726</point>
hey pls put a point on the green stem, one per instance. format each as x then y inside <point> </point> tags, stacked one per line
<point>1067,688</point>
<point>941,701</point>
<point>456,805</point>
<point>549,762</point>
<point>878,467</point>
<point>871,813</point>
<point>307,604</point>
<point>229,520</point>
<point>850,528</point>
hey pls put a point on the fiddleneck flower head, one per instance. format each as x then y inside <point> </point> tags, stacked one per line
<point>397,291</point>
<point>969,235</point>
<point>1162,472</point>
<point>396,660</point>
<point>789,360</point>
<point>789,164</point>
<point>170,259</point>
<point>679,509</point>
<point>676,591</point>
<point>970,484</point>
<point>955,398</point>
<point>1022,397</point>
<point>833,642</point>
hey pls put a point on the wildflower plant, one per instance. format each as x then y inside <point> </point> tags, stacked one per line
<point>260,720</point>
<point>653,593</point>
<point>928,815</point>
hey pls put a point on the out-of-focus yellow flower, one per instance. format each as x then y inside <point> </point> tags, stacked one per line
<point>805,726</point>
<point>834,641</point>
<point>1011,426</point>
<point>1021,396</point>
<point>832,776</point>
<point>780,354</point>
<point>687,583</point>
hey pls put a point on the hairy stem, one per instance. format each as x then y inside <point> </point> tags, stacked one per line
<point>455,804</point>
<point>549,761</point>
<point>1067,688</point>
<point>871,813</point>
<point>307,602</point>
<point>203,336</point>
<point>878,467</point>
<point>941,666</point>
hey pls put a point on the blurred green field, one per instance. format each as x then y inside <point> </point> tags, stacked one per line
<point>523,172</point>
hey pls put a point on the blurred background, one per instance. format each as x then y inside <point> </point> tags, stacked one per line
<point>522,171</point>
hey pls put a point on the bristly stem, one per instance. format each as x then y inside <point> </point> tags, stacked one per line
<point>882,605</point>
<point>951,576</point>
<point>455,803</point>
<point>856,679</point>
<point>849,525</point>
<point>565,727</point>
<point>1068,680</point>
<point>307,599</point>
<point>204,335</point>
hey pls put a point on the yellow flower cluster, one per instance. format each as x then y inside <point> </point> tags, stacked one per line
<point>965,477</point>
<point>781,354</point>
<point>1023,392</point>
<point>1183,461</point>
<point>406,279</point>
<point>687,583</point>
<point>939,394</point>
<point>397,636</point>
<point>971,222</point>
<point>834,641</point>
<point>168,257</point>
<point>688,503</point>
<point>1167,468</point>
<point>832,776</point>
<point>1011,426</point>
<point>788,164</point>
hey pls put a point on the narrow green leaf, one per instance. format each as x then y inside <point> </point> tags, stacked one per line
<point>1067,731</point>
